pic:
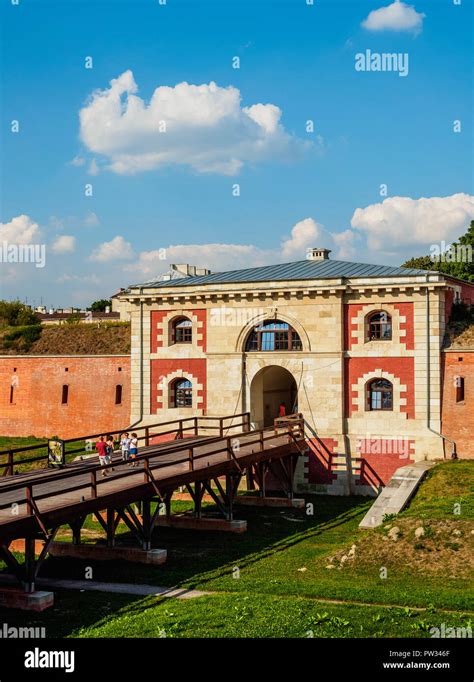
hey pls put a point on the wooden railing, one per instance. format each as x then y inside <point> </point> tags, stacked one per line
<point>191,425</point>
<point>91,487</point>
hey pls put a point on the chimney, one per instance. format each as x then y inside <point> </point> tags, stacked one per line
<point>318,254</point>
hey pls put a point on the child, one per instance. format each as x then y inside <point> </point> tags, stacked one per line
<point>125,445</point>
<point>134,449</point>
<point>110,449</point>
<point>101,447</point>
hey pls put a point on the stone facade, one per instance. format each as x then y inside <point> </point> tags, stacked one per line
<point>352,449</point>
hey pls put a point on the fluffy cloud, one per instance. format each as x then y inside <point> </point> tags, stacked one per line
<point>348,244</point>
<point>64,244</point>
<point>20,230</point>
<point>91,219</point>
<point>219,257</point>
<point>304,234</point>
<point>401,221</point>
<point>216,257</point>
<point>116,249</point>
<point>395,17</point>
<point>201,126</point>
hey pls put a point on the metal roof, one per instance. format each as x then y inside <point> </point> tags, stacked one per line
<point>303,269</point>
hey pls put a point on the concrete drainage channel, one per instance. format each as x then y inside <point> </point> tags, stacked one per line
<point>397,493</point>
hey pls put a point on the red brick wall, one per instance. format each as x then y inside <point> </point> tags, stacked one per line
<point>162,368</point>
<point>458,418</point>
<point>379,458</point>
<point>403,368</point>
<point>406,310</point>
<point>351,310</point>
<point>157,332</point>
<point>320,460</point>
<point>37,410</point>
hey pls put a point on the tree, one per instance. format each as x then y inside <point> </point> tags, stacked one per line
<point>15,313</point>
<point>100,305</point>
<point>457,261</point>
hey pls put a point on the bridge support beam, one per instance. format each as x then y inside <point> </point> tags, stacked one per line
<point>282,469</point>
<point>27,572</point>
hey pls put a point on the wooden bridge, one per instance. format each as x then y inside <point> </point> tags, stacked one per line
<point>34,505</point>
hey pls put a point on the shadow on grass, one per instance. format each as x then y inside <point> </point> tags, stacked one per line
<point>196,558</point>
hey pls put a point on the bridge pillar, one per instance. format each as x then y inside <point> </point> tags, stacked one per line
<point>30,565</point>
<point>110,523</point>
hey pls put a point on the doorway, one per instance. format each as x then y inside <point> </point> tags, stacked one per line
<point>270,387</point>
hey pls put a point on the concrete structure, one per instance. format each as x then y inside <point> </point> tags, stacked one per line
<point>326,307</point>
<point>397,493</point>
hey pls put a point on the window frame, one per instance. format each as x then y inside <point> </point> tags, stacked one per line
<point>379,324</point>
<point>182,334</point>
<point>278,339</point>
<point>65,394</point>
<point>382,391</point>
<point>185,399</point>
<point>460,390</point>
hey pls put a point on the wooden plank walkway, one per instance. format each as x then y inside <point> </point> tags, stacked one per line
<point>57,496</point>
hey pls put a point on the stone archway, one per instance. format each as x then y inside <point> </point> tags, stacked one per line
<point>271,386</point>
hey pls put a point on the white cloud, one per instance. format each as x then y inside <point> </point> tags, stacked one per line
<point>347,244</point>
<point>20,230</point>
<point>304,234</point>
<point>216,257</point>
<point>206,128</point>
<point>399,16</point>
<point>116,249</point>
<point>77,161</point>
<point>91,219</point>
<point>90,279</point>
<point>401,221</point>
<point>64,244</point>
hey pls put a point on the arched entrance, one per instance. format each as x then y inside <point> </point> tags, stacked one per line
<point>271,386</point>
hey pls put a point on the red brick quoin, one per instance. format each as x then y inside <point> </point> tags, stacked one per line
<point>402,368</point>
<point>190,368</point>
<point>157,317</point>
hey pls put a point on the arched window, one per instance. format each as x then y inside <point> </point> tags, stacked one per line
<point>380,395</point>
<point>182,330</point>
<point>182,393</point>
<point>380,326</point>
<point>118,394</point>
<point>273,335</point>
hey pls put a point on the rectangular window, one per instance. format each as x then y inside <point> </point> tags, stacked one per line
<point>65,394</point>
<point>118,394</point>
<point>459,389</point>
<point>12,393</point>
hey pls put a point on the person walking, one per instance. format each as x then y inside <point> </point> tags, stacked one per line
<point>101,447</point>
<point>110,443</point>
<point>134,449</point>
<point>125,446</point>
<point>282,410</point>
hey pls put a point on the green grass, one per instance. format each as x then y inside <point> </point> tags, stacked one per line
<point>89,614</point>
<point>447,492</point>
<point>281,562</point>
<point>7,442</point>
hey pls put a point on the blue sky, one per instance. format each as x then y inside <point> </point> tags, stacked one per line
<point>297,189</point>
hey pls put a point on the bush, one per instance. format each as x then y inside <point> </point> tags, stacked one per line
<point>460,312</point>
<point>15,313</point>
<point>27,335</point>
